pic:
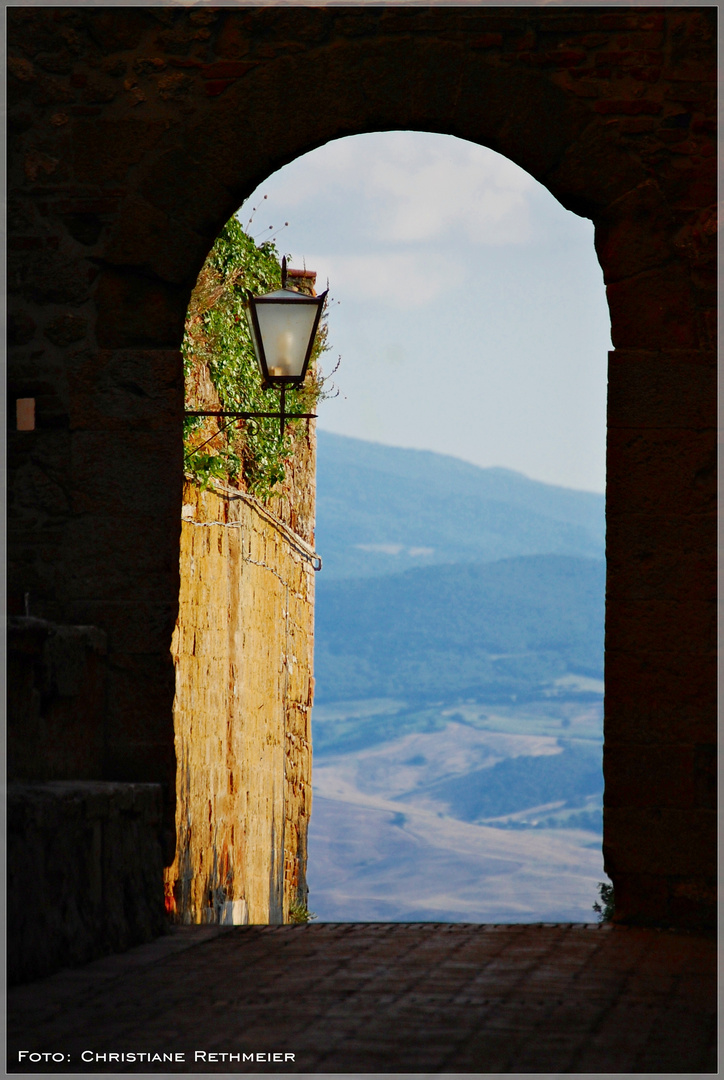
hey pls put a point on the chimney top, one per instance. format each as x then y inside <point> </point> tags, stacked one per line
<point>302,280</point>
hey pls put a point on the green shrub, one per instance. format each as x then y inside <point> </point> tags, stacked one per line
<point>217,345</point>
<point>605,909</point>
<point>299,913</point>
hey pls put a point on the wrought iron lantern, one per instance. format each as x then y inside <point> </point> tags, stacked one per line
<point>283,325</point>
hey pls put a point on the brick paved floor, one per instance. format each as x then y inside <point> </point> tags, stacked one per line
<point>382,998</point>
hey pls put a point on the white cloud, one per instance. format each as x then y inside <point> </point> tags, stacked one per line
<point>429,189</point>
<point>397,279</point>
<point>415,187</point>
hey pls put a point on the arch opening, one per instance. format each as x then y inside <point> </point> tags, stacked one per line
<point>426,223</point>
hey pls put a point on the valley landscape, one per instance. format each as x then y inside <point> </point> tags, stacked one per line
<point>457,724</point>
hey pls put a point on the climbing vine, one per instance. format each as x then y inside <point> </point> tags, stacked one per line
<point>219,364</point>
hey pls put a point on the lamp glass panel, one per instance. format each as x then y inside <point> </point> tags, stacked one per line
<point>286,330</point>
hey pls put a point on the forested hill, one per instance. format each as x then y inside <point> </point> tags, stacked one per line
<point>381,510</point>
<point>488,630</point>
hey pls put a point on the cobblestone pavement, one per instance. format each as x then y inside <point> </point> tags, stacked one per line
<point>380,998</point>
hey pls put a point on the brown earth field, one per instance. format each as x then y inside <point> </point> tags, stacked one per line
<point>382,847</point>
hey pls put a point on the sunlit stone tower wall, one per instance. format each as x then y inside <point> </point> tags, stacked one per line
<point>243,652</point>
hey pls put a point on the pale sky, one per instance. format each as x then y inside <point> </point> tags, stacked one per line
<point>469,307</point>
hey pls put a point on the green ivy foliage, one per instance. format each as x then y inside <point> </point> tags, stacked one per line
<point>607,908</point>
<point>217,337</point>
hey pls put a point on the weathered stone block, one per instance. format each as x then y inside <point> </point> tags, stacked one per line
<point>126,388</point>
<point>65,329</point>
<point>145,570</point>
<point>646,775</point>
<point>136,312</point>
<point>200,201</point>
<point>687,902</point>
<point>21,328</point>
<point>685,625</point>
<point>523,122</point>
<point>140,687</point>
<point>105,149</point>
<point>666,389</point>
<point>628,107</point>
<point>659,697</point>
<point>581,179</point>
<point>662,471</point>
<point>144,236</point>
<point>50,277</point>
<point>635,233</point>
<point>92,851</point>
<point>40,488</point>
<point>664,841</point>
<point>653,310</point>
<point>56,700</point>
<point>662,557</point>
<point>132,625</point>
<point>127,472</point>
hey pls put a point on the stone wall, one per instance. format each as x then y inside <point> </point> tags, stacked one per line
<point>135,133</point>
<point>84,856</point>
<point>84,872</point>
<point>56,703</point>
<point>243,650</point>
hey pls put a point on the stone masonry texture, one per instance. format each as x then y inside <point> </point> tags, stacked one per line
<point>392,999</point>
<point>84,872</point>
<point>94,847</point>
<point>135,133</point>
<point>56,700</point>
<point>243,654</point>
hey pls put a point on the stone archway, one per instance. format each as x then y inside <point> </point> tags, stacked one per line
<point>136,132</point>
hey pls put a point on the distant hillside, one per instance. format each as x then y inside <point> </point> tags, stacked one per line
<point>573,776</point>
<point>491,631</point>
<point>381,510</point>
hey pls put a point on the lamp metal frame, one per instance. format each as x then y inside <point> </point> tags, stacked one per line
<point>268,380</point>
